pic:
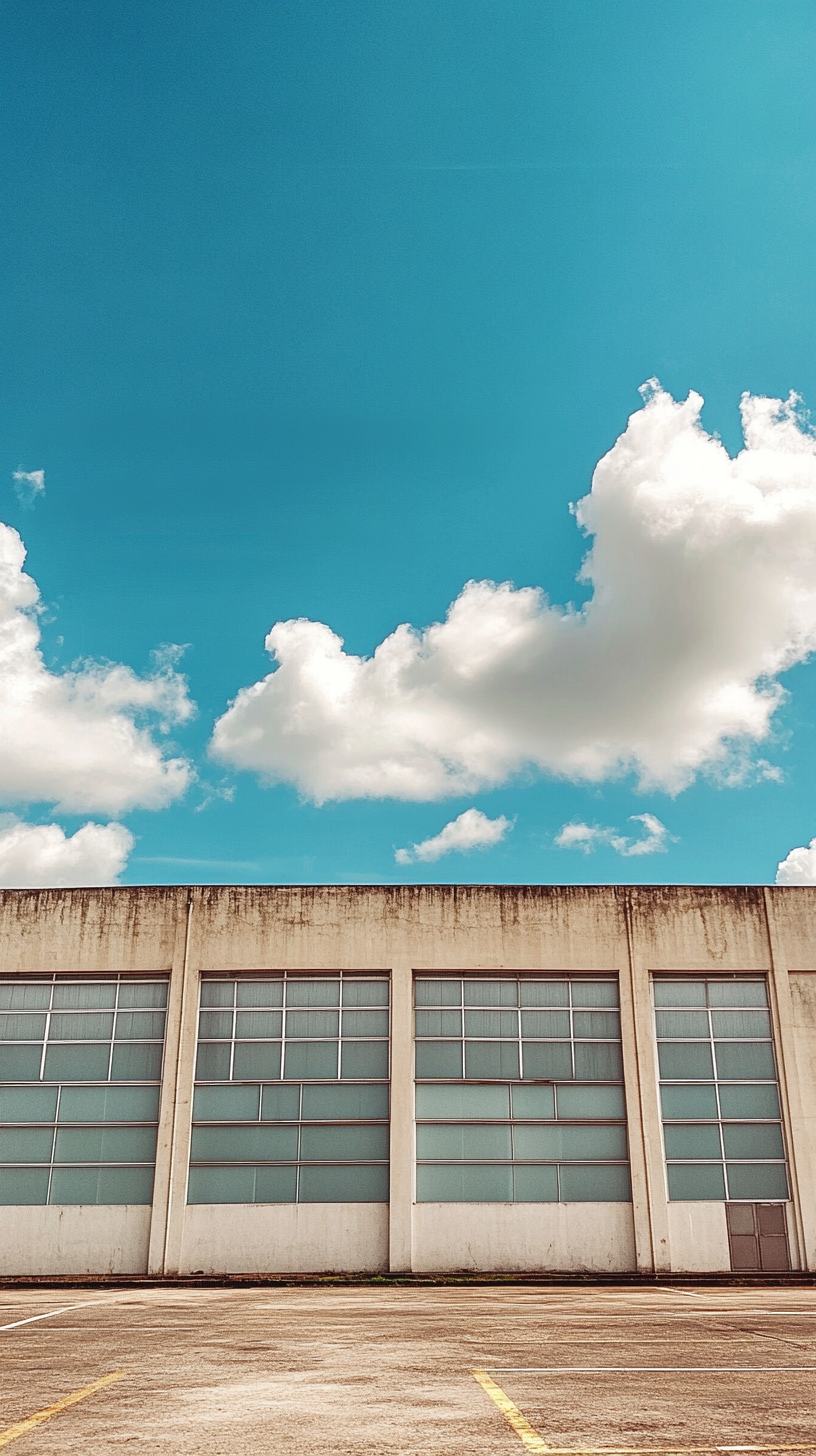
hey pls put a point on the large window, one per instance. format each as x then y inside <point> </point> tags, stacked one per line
<point>722,1126</point>
<point>291,1098</point>
<point>519,1090</point>
<point>80,1071</point>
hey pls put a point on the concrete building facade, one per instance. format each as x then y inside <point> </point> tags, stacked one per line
<point>429,1078</point>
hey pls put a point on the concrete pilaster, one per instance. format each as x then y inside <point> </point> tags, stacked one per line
<point>651,1213</point>
<point>166,1257</point>
<point>401,1208</point>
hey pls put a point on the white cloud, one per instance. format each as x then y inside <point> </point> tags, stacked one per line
<point>703,576</point>
<point>28,485</point>
<point>41,855</point>
<point>587,837</point>
<point>798,867</point>
<point>471,830</point>
<point>80,739</point>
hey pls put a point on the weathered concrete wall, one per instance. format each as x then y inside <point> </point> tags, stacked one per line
<point>596,1238</point>
<point>289,1238</point>
<point>80,1239</point>
<point>698,1238</point>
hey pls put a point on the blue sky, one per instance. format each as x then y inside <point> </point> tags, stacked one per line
<point>324,310</point>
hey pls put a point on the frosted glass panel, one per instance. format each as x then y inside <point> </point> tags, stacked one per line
<point>598,1061</point>
<point>693,1101</point>
<point>77,1063</point>
<point>690,1140</point>
<point>438,1023</point>
<point>560,1140</point>
<point>751,1099</point>
<point>307,1059</point>
<point>135,1061</point>
<point>737,993</point>
<point>25,1145</point>
<point>259,993</point>
<point>88,1026</point>
<point>221,1104</point>
<point>215,1024</point>
<point>438,993</point>
<point>547,1061</point>
<point>312,1023</point>
<point>254,1024</point>
<point>754,1024</point>
<point>142,993</point>
<point>364,1059</point>
<point>307,992</point>
<point>105,1145</point>
<point>596,1102</point>
<point>281,1104</point>
<point>757,1181</point>
<point>684,1024</point>
<point>20,1064</point>
<point>365,1023</point>
<point>139,1025</point>
<point>492,1059</point>
<point>464,1183</point>
<point>254,1059</point>
<point>691,1060</point>
<point>275,1185</point>
<point>109,1104</point>
<point>213,1062</point>
<point>217,993</point>
<point>462,1102</point>
<point>28,1104</point>
<point>80,996</point>
<point>491,1023</point>
<point>23,1185</point>
<point>547,1025</point>
<point>345,1143</point>
<point>533,1184</point>
<point>342,1101</point>
<point>594,993</point>
<point>544,993</point>
<point>745,1060</point>
<point>101,1185</point>
<point>365,993</point>
<point>753,1140</point>
<point>22,1026</point>
<point>228,1185</point>
<point>602,1024</point>
<point>462,1140</point>
<point>439,1059</point>
<point>25,996</point>
<point>360,1183</point>
<point>491,993</point>
<point>534,1102</point>
<point>597,1183</point>
<point>696,1183</point>
<point>680,993</point>
<point>252,1142</point>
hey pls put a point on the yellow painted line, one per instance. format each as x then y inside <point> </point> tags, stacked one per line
<point>511,1413</point>
<point>30,1422</point>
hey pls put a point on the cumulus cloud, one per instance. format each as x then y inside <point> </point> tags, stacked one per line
<point>28,485</point>
<point>703,578</point>
<point>82,739</point>
<point>586,837</point>
<point>471,830</point>
<point>42,855</point>
<point>798,867</point>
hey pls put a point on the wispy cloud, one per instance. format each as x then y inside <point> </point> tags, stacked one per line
<point>471,830</point>
<point>28,485</point>
<point>587,837</point>
<point>798,867</point>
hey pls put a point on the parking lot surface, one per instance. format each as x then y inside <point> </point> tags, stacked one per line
<point>352,1369</point>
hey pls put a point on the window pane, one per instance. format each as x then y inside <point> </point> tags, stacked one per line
<point>491,993</point>
<point>74,1185</point>
<point>544,993</point>
<point>534,1102</point>
<point>365,993</point>
<point>344,1100</point>
<point>752,1099</point>
<point>142,993</point>
<point>307,1059</point>
<point>438,1023</point>
<point>439,1059</point>
<point>20,1064</point>
<point>596,1024</point>
<point>741,1024</point>
<point>365,1023</point>
<point>23,1185</point>
<point>77,1063</point>
<point>312,1023</point>
<point>533,1184</point>
<point>753,1140</point>
<point>217,993</point>
<point>357,1184</point>
<point>737,993</point>
<point>31,996</point>
<point>109,1104</point>
<point>308,992</point>
<point>595,1184</point>
<point>597,1061</point>
<point>225,1104</point>
<point>102,1185</point>
<point>682,1061</point>
<point>259,993</point>
<point>680,993</point>
<point>105,1145</point>
<point>256,1060</point>
<point>19,1026</point>
<point>213,1062</point>
<point>83,995</point>
<point>547,1024</point>
<point>491,1023</point>
<point>254,1024</point>
<point>696,1183</point>
<point>560,1140</point>
<point>491,1059</point>
<point>465,1183</point>
<point>690,1141</point>
<point>364,1059</point>
<point>547,1061</point>
<point>745,1060</point>
<point>594,993</point>
<point>26,1144</point>
<point>226,1185</point>
<point>463,1102</point>
<point>275,1185</point>
<point>280,1104</point>
<point>28,1104</point>
<point>136,1061</point>
<point>367,1141</point>
<point>682,1024</point>
<point>437,993</point>
<point>464,1140</point>
<point>700,1102</point>
<point>215,1024</point>
<point>81,1026</point>
<point>757,1180</point>
<point>253,1143</point>
<point>139,1025</point>
<point>591,1102</point>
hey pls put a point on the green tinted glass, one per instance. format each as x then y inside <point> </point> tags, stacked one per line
<point>310,1059</point>
<point>281,1104</point>
<point>144,994</point>
<point>21,1026</point>
<point>461,1140</point>
<point>365,993</point>
<point>225,1104</point>
<point>757,1181</point>
<point>83,995</point>
<point>546,1025</point>
<point>355,1141</point>
<point>596,1183</point>
<point>692,1140</point>
<point>464,1183</point>
<point>753,1140</point>
<point>256,1060</point>
<point>680,993</point>
<point>439,1059</point>
<point>535,1184</point>
<point>438,1023</point>
<point>364,1059</point>
<point>491,993</point>
<point>437,993</point>
<point>23,1186</point>
<point>77,1063</point>
<point>491,1023</point>
<point>693,1101</point>
<point>749,1100</point>
<point>594,993</point>
<point>745,1061</point>
<point>365,1023</point>
<point>251,1025</point>
<point>462,1102</point>
<point>136,1061</point>
<point>28,1104</point>
<point>344,1101</point>
<point>217,993</point>
<point>683,1024</point>
<point>737,993</point>
<point>25,1144</point>
<point>259,993</point>
<point>547,1061</point>
<point>359,1183</point>
<point>304,991</point>
<point>109,1104</point>
<point>489,1059</point>
<point>685,1061</point>
<point>544,993</point>
<point>25,996</point>
<point>695,1183</point>
<point>596,1101</point>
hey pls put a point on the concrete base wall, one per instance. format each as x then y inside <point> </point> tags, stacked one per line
<point>698,1238</point>
<point>74,1239</point>
<point>285,1238</point>
<point>597,1238</point>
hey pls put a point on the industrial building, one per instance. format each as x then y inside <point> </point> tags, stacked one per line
<point>293,1079</point>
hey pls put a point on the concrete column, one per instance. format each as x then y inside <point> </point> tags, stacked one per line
<point>651,1211</point>
<point>403,1161</point>
<point>800,1153</point>
<point>167,1100</point>
<point>165,1254</point>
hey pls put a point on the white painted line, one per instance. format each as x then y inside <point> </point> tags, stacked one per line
<point>50,1315</point>
<point>689,1293</point>
<point>637,1369</point>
